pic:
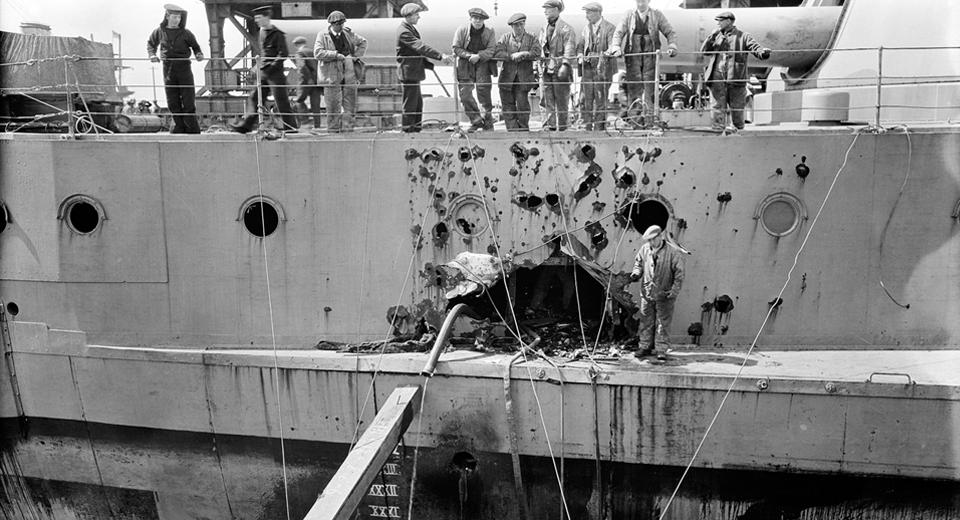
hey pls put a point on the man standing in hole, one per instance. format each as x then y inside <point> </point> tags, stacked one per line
<point>659,269</point>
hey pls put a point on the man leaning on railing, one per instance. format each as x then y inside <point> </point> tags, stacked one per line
<point>726,70</point>
<point>172,43</point>
<point>339,50</point>
<point>519,50</point>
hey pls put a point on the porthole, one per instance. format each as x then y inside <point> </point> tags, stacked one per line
<point>780,214</point>
<point>647,211</point>
<point>467,215</point>
<point>261,216</point>
<point>4,217</point>
<point>82,214</point>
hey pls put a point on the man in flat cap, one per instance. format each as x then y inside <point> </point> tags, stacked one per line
<point>307,81</point>
<point>174,42</point>
<point>273,52</point>
<point>474,46</point>
<point>659,269</point>
<point>598,68</point>
<point>519,50</point>
<point>338,50</point>
<point>726,70</point>
<point>559,42</point>
<point>412,54</point>
<point>637,39</point>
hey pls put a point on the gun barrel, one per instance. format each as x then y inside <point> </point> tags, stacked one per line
<point>797,35</point>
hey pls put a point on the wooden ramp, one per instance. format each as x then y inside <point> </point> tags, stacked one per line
<point>343,493</point>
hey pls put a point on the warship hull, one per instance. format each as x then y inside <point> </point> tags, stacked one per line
<point>141,372</point>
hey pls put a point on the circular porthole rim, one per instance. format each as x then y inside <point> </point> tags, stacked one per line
<point>268,200</point>
<point>70,200</point>
<point>781,196</point>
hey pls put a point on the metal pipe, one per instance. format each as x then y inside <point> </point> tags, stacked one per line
<point>879,82</point>
<point>442,337</point>
<point>656,87</point>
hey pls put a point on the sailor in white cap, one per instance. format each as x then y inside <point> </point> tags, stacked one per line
<point>659,269</point>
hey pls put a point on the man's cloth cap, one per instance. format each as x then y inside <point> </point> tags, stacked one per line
<point>173,8</point>
<point>726,14</point>
<point>518,17</point>
<point>553,3</point>
<point>593,6</point>
<point>479,13</point>
<point>299,39</point>
<point>264,10</point>
<point>336,16</point>
<point>652,232</point>
<point>410,8</point>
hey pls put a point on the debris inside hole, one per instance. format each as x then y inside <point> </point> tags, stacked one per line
<point>465,226</point>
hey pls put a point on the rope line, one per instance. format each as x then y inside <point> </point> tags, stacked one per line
<point>396,310</point>
<point>273,333</point>
<point>883,235</point>
<point>416,449</point>
<point>766,319</point>
<point>523,347</point>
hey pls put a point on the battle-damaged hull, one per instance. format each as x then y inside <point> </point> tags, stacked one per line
<point>175,433</point>
<point>173,269</point>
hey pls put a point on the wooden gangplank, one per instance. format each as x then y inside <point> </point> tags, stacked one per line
<point>348,486</point>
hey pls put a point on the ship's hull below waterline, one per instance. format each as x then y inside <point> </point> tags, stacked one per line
<point>61,468</point>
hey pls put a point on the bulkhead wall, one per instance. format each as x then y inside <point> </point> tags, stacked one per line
<point>174,263</point>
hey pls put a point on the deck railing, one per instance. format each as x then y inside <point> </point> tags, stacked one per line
<point>89,107</point>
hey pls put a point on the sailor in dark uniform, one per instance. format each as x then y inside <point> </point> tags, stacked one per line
<point>412,63</point>
<point>273,50</point>
<point>172,43</point>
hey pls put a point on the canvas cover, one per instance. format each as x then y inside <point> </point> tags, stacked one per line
<point>94,76</point>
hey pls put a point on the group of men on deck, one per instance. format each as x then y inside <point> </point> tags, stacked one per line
<point>334,64</point>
